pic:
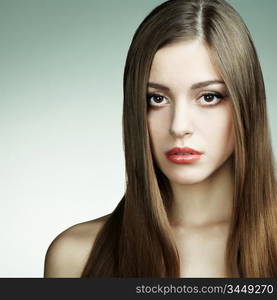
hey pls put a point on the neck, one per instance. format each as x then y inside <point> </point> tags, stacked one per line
<point>205,203</point>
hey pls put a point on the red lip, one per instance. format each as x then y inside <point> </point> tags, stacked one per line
<point>181,159</point>
<point>184,149</point>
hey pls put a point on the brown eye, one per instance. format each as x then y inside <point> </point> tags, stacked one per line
<point>155,99</point>
<point>210,99</point>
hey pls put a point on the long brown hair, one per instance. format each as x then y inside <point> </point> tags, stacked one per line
<point>136,240</point>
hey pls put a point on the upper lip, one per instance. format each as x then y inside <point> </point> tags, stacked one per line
<point>182,149</point>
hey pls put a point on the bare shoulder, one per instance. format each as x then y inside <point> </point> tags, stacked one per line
<point>68,252</point>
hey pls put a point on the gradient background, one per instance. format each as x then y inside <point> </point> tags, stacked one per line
<point>61,154</point>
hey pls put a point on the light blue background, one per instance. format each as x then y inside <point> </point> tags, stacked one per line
<point>61,154</point>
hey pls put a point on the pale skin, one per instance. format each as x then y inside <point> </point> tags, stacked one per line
<point>183,116</point>
<point>203,191</point>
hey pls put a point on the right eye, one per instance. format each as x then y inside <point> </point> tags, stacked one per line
<point>155,99</point>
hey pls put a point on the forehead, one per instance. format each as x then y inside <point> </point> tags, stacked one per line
<point>183,63</point>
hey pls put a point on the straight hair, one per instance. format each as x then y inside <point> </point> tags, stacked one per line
<point>137,240</point>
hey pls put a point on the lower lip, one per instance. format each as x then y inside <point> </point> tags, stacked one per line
<point>183,159</point>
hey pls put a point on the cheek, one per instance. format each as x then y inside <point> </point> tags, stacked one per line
<point>157,129</point>
<point>219,132</point>
<point>157,125</point>
<point>155,135</point>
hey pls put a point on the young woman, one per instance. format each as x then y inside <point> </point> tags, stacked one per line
<point>201,185</point>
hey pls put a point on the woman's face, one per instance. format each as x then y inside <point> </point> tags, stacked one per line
<point>188,106</point>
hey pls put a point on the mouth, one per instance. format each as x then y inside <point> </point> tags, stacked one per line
<point>183,151</point>
<point>183,155</point>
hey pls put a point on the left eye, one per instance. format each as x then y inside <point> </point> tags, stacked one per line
<point>210,99</point>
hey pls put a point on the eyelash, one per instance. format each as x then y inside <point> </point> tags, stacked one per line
<point>217,95</point>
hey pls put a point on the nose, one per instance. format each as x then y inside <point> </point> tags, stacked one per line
<point>181,123</point>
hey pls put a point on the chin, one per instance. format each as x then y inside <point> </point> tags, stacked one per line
<point>186,181</point>
<point>185,178</point>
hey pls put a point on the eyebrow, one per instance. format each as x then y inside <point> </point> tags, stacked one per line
<point>195,86</point>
